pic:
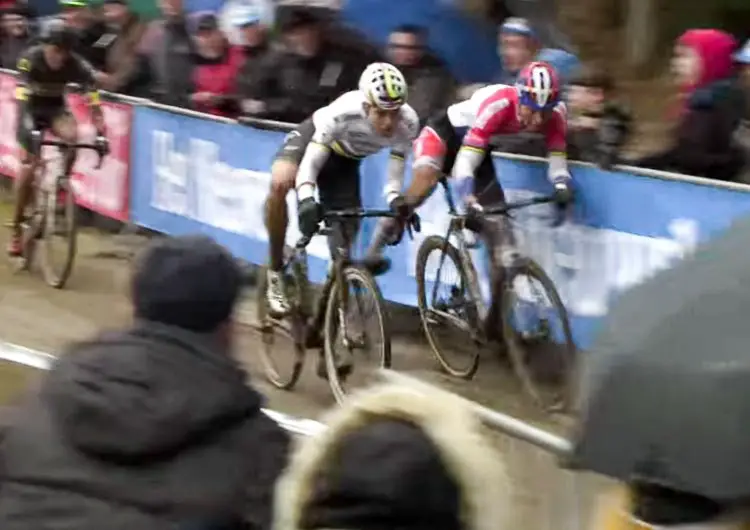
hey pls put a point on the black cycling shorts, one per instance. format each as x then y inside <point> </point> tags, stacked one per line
<point>487,189</point>
<point>38,118</point>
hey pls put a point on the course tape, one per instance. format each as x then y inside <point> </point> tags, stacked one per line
<point>43,361</point>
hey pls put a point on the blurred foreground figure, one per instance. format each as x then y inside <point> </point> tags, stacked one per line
<point>394,458</point>
<point>151,427</point>
<point>664,404</point>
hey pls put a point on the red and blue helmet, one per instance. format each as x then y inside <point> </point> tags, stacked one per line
<point>538,86</point>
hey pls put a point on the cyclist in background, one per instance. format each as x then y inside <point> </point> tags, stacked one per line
<point>325,151</point>
<point>44,72</point>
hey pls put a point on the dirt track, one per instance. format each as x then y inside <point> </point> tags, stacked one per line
<point>38,317</point>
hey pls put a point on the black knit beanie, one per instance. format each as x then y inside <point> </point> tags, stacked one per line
<point>190,282</point>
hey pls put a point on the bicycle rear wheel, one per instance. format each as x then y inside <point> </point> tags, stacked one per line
<point>450,319</point>
<point>282,351</point>
<point>356,333</point>
<point>60,233</point>
<point>541,350</point>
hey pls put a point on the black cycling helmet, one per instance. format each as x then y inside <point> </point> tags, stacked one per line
<point>58,34</point>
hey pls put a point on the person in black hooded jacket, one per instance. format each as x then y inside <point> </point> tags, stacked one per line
<point>152,427</point>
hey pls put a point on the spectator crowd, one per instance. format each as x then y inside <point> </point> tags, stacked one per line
<point>310,57</point>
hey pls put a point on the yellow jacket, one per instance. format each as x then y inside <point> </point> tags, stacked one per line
<point>614,513</point>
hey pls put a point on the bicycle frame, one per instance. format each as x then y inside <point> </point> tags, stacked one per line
<point>456,226</point>
<point>340,260</point>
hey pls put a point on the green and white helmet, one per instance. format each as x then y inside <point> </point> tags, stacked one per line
<point>383,85</point>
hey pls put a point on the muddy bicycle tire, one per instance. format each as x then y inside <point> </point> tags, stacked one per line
<point>429,245</point>
<point>331,327</point>
<point>518,353</point>
<point>58,277</point>
<point>292,328</point>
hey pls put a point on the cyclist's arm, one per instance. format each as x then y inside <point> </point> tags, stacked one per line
<point>474,147</point>
<point>394,182</point>
<point>395,174</point>
<point>316,153</point>
<point>556,130</point>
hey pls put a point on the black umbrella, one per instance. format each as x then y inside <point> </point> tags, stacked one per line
<point>666,388</point>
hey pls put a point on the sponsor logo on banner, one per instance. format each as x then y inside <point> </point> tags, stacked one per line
<point>198,185</point>
<point>104,189</point>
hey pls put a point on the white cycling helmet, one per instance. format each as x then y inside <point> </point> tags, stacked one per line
<point>383,85</point>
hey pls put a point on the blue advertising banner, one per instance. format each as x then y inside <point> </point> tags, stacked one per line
<point>195,175</point>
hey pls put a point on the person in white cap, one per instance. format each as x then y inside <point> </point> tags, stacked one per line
<point>517,45</point>
<point>254,38</point>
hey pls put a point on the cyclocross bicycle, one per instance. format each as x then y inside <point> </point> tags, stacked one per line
<point>52,215</point>
<point>340,313</point>
<point>542,354</point>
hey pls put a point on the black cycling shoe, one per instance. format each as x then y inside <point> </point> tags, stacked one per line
<point>313,339</point>
<point>376,264</point>
<point>344,367</point>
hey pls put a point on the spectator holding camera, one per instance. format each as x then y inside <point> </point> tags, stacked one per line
<point>215,72</point>
<point>597,126</point>
<point>709,108</point>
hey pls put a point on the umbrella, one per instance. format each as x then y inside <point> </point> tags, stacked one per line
<point>666,387</point>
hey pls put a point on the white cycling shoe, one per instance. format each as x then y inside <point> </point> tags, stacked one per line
<point>278,304</point>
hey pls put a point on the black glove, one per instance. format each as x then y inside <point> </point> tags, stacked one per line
<point>401,208</point>
<point>309,216</point>
<point>102,145</point>
<point>563,191</point>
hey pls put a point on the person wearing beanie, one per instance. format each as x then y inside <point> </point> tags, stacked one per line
<point>395,459</point>
<point>152,426</point>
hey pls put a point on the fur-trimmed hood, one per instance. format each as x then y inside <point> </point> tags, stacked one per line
<point>465,455</point>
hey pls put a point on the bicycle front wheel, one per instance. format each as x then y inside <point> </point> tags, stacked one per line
<point>356,332</point>
<point>538,334</point>
<point>60,233</point>
<point>447,309</point>
<point>282,351</point>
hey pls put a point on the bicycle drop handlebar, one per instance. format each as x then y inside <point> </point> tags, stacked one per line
<point>361,213</point>
<point>78,145</point>
<point>503,209</point>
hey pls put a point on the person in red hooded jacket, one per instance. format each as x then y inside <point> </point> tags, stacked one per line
<point>709,108</point>
<point>215,74</point>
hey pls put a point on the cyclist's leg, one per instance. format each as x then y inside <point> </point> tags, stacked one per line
<point>283,175</point>
<point>65,127</point>
<point>497,236</point>
<point>24,184</point>
<point>339,189</point>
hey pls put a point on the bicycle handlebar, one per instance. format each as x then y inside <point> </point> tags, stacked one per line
<point>77,145</point>
<point>503,209</point>
<point>413,223</point>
